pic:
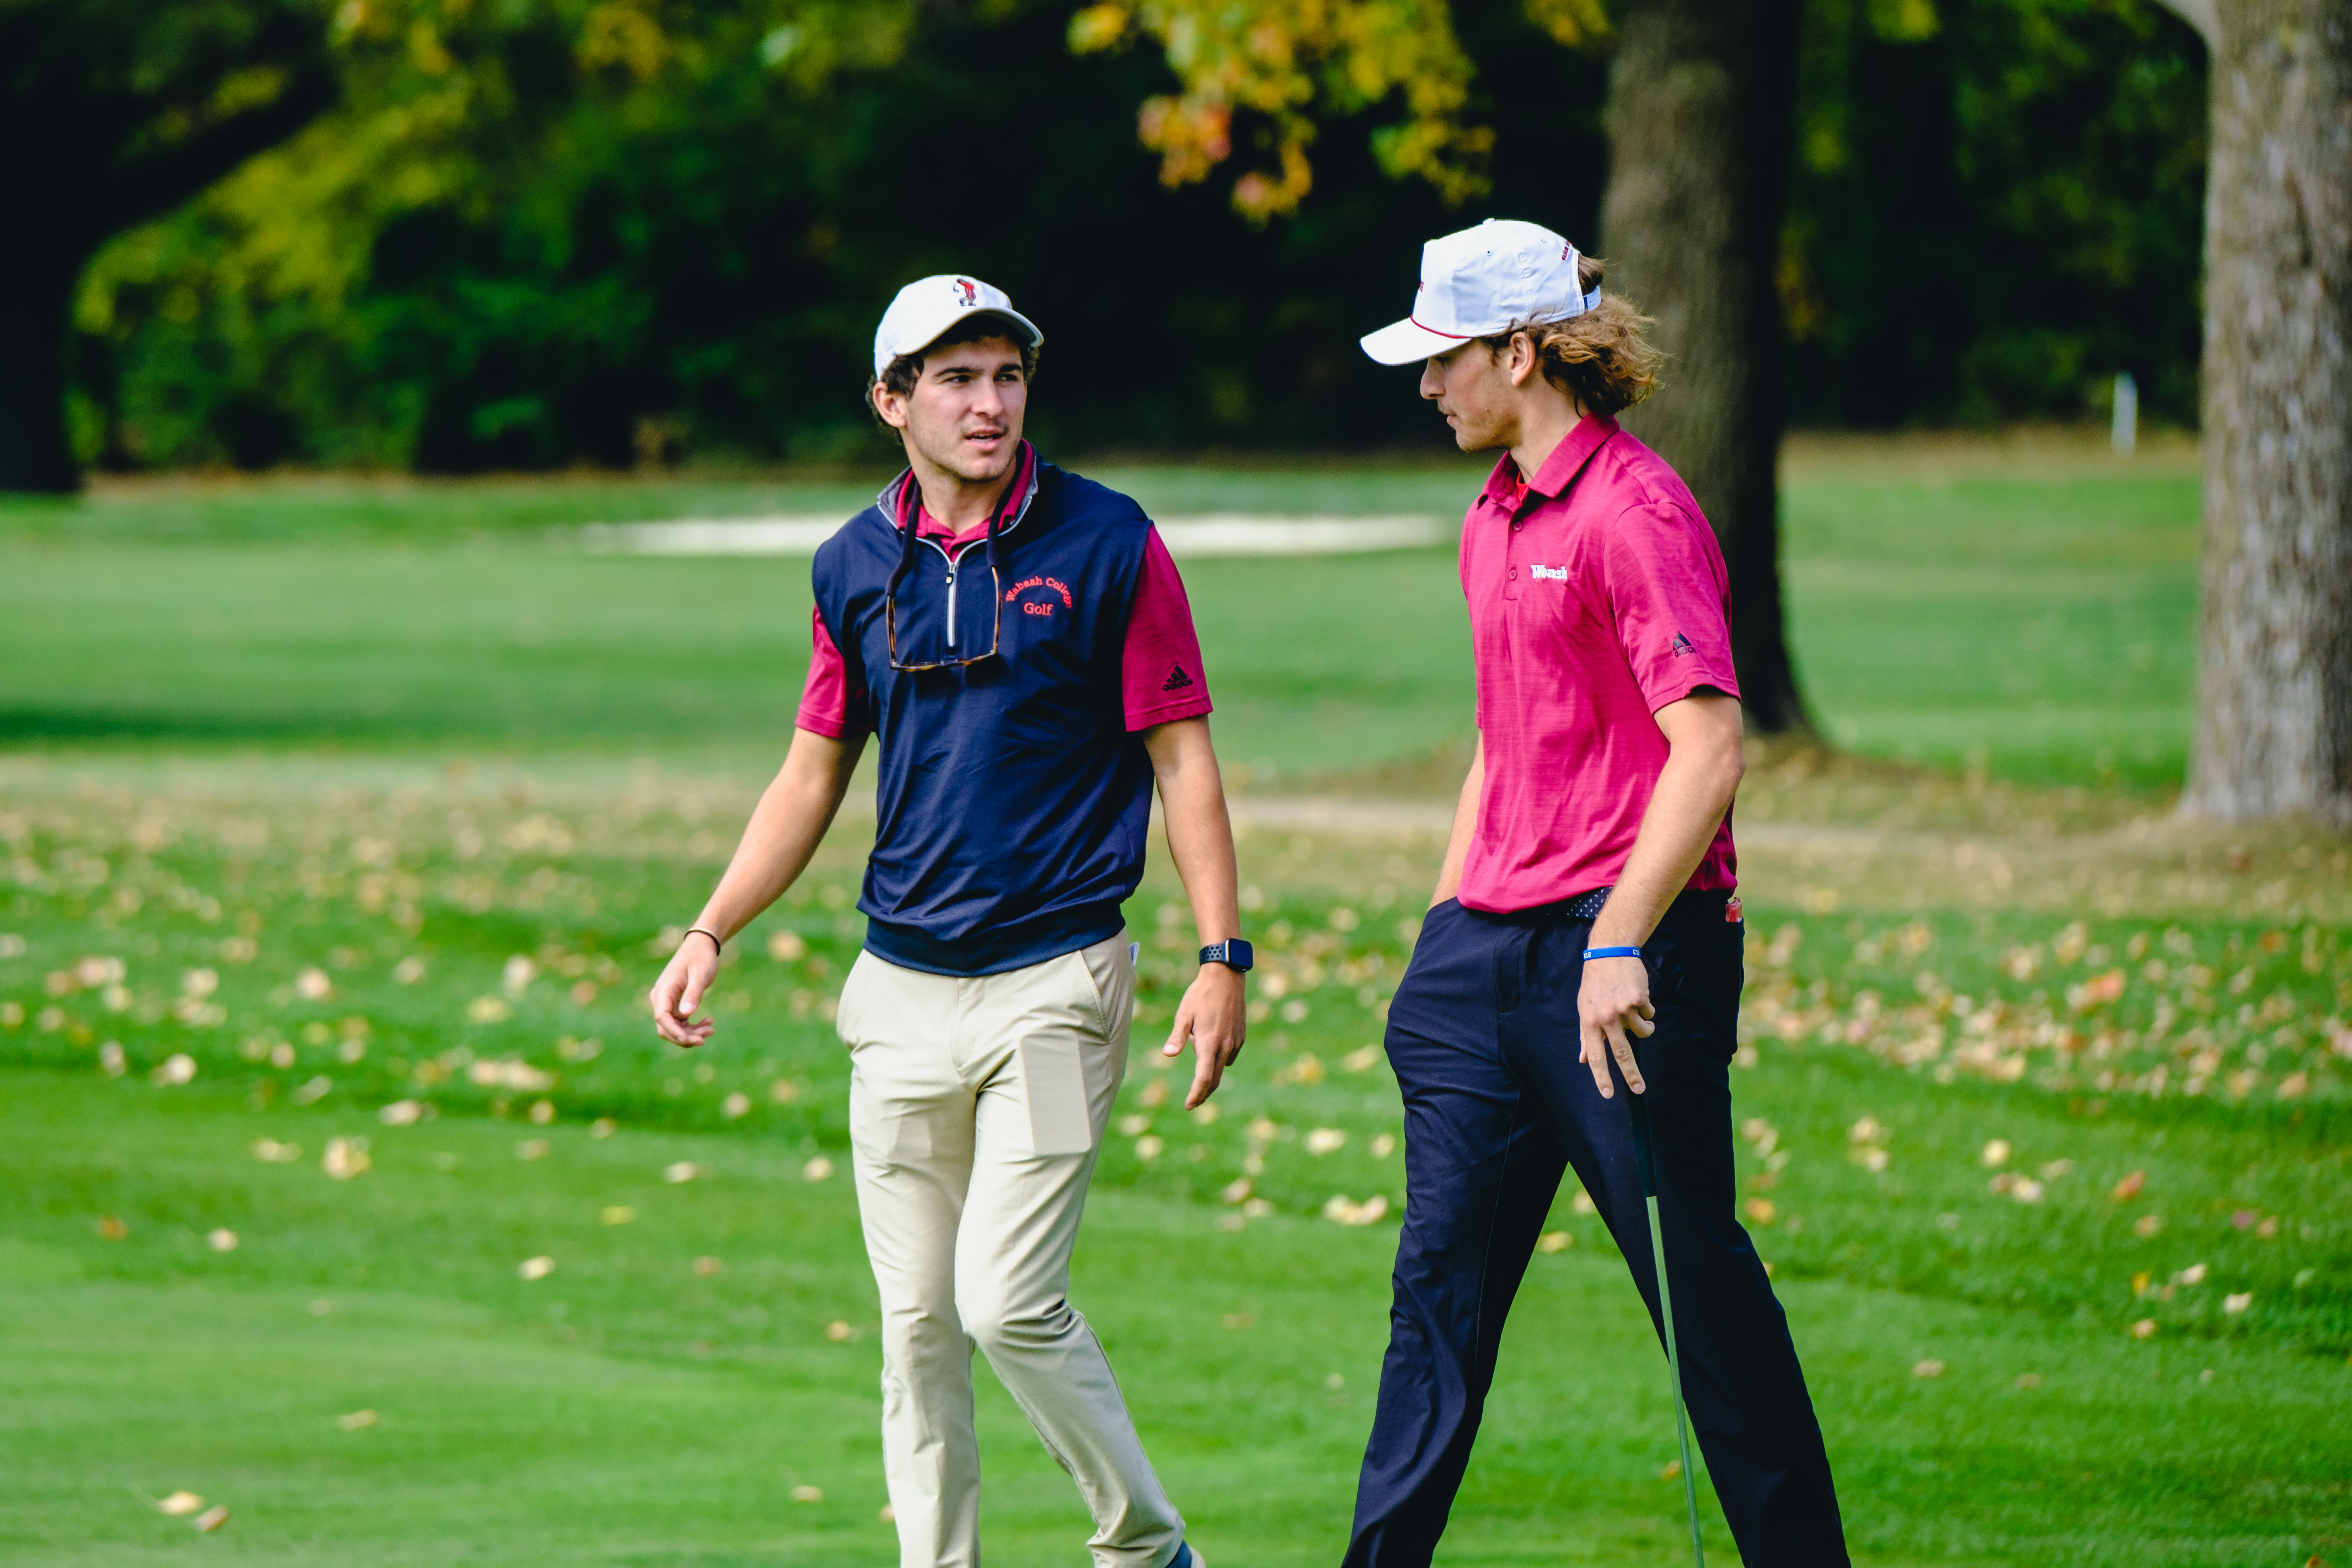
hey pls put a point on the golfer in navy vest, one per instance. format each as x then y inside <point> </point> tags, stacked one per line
<point>1586,903</point>
<point>1016,641</point>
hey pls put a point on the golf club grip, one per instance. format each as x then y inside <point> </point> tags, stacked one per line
<point>1645,1152</point>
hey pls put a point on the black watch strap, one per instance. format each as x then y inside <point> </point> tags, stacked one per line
<point>1234,954</point>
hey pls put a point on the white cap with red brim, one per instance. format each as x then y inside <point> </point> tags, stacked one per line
<point>1481,281</point>
<point>929,306</point>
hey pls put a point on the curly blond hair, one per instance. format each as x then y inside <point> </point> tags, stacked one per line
<point>1600,358</point>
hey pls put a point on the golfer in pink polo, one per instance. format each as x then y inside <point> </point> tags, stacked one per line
<point>1586,903</point>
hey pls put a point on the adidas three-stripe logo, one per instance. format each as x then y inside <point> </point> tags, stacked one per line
<point>1177,679</point>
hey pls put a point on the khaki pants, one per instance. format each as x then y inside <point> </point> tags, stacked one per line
<point>976,1107</point>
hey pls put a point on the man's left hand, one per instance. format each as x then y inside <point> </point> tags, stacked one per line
<point>1215,1015</point>
<point>1613,1003</point>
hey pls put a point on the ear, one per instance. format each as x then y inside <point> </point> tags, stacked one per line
<point>1520,359</point>
<point>890,406</point>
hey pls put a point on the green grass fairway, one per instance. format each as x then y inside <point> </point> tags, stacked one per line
<point>343,825</point>
<point>2032,618</point>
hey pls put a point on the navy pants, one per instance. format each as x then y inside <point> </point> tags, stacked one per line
<point>1483,1037</point>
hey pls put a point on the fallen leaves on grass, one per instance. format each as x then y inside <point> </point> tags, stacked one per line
<point>808,1494</point>
<point>111,1229</point>
<point>358,1420</point>
<point>2236,1301</point>
<point>344,1158</point>
<point>678,1173</point>
<point>536,1267</point>
<point>1928,1369</point>
<point>617,1214</point>
<point>222,1240</point>
<point>509,1072</point>
<point>1326,1141</point>
<point>1343,1210</point>
<point>2029,1380</point>
<point>603,1127</point>
<point>212,1519</point>
<point>1671,1470</point>
<point>312,985</point>
<point>1383,1145</point>
<point>2128,1188</point>
<point>179,1504</point>
<point>177,1069</point>
<point>1759,1211</point>
<point>2144,1330</point>
<point>2147,1225</point>
<point>706,1266</point>
<point>1555,1241</point>
<point>736,1106</point>
<point>1996,1153</point>
<point>401,1113</point>
<point>817,1170</point>
<point>839,1332</point>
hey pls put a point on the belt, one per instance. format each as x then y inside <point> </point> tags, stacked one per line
<point>1582,907</point>
<point>1587,906</point>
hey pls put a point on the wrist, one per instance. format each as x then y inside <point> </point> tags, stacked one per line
<point>1231,953</point>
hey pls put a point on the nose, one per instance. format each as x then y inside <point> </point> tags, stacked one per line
<point>1433,379</point>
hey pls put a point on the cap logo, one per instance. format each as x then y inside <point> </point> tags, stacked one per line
<point>965,294</point>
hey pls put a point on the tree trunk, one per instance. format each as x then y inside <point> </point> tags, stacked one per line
<point>36,306</point>
<point>2274,668</point>
<point>1701,101</point>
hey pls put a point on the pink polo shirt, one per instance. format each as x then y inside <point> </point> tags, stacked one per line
<point>1598,596</point>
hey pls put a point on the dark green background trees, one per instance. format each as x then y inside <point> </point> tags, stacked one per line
<point>553,232</point>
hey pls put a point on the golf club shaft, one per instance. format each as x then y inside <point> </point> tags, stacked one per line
<point>1645,1149</point>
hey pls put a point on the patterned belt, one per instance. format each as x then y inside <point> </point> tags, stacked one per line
<point>1583,907</point>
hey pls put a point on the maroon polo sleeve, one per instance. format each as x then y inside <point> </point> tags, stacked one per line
<point>1160,679</point>
<point>833,694</point>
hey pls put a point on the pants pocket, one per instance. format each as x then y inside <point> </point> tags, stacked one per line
<point>1053,1089</point>
<point>846,1012</point>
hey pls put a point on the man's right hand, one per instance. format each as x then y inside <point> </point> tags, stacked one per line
<point>684,983</point>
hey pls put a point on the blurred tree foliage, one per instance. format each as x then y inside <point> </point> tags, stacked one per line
<point>539,232</point>
<point>1995,206</point>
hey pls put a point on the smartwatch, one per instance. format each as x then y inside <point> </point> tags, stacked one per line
<point>1234,954</point>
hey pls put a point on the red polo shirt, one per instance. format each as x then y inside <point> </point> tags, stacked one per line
<point>1597,596</point>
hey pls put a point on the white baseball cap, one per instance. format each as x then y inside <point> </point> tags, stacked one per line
<point>1482,281</point>
<point>929,306</point>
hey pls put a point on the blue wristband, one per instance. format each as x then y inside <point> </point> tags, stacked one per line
<point>1592,953</point>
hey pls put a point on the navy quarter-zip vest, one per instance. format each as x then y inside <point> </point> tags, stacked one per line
<point>1013,803</point>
